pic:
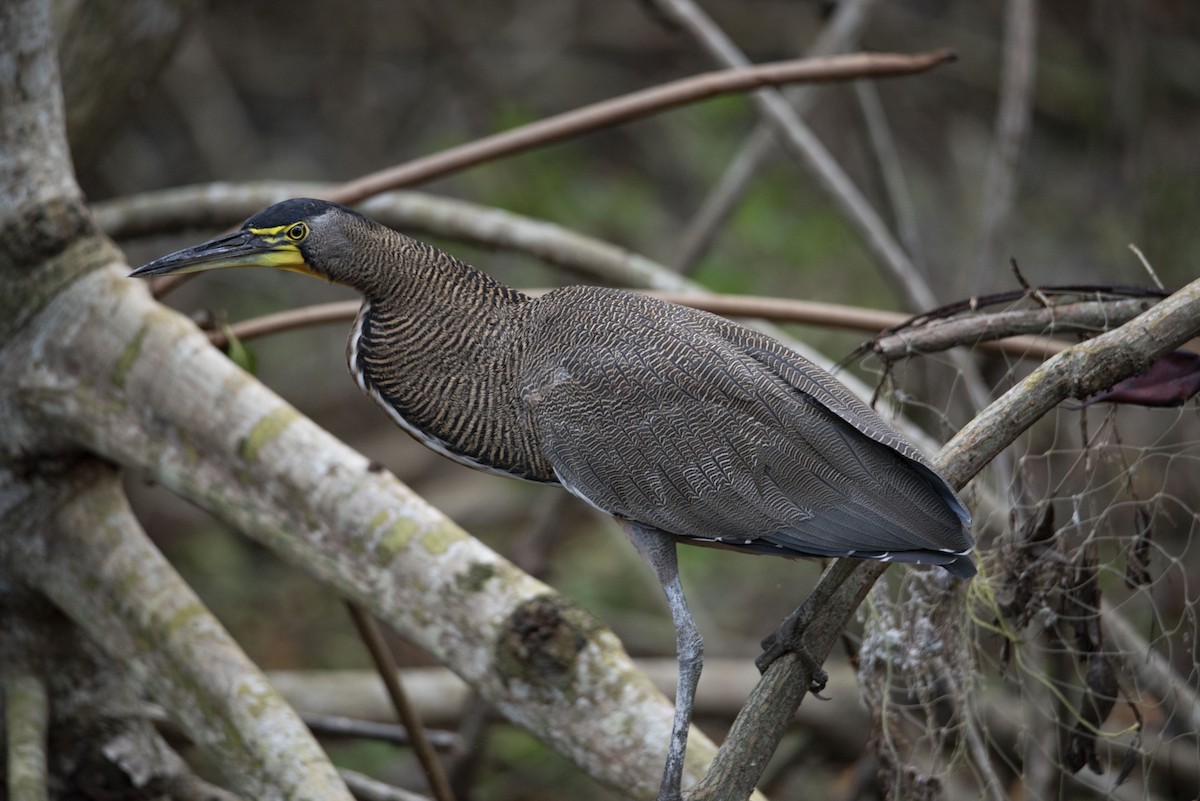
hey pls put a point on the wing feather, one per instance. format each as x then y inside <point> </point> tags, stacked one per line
<point>709,431</point>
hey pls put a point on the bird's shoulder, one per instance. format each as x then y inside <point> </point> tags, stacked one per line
<point>619,342</point>
<point>596,325</point>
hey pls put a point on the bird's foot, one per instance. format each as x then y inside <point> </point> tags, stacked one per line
<point>789,638</point>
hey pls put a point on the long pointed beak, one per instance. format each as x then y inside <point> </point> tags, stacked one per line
<point>239,249</point>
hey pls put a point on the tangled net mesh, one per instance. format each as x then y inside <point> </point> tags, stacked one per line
<point>1070,668</point>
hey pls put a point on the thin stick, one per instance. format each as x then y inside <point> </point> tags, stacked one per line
<point>324,725</point>
<point>798,138</point>
<point>883,145</point>
<point>367,789</point>
<point>840,33</point>
<point>373,638</point>
<point>1146,265</point>
<point>1012,131</point>
<point>980,332</point>
<point>633,106</point>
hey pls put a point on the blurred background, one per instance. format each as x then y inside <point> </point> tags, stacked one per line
<point>163,95</point>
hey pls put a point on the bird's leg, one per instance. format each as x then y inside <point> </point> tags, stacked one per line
<point>790,634</point>
<point>658,549</point>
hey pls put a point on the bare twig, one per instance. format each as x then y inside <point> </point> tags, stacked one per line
<point>841,33</point>
<point>325,698</point>
<point>303,317</point>
<point>1012,131</point>
<point>797,137</point>
<point>995,332</point>
<point>800,140</point>
<point>188,786</point>
<point>1146,265</point>
<point>387,668</point>
<point>367,789</point>
<point>830,315</point>
<point>1087,317</point>
<point>221,205</point>
<point>883,145</point>
<point>741,78</point>
<point>324,725</point>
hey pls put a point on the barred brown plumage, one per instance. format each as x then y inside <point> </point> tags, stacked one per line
<point>681,425</point>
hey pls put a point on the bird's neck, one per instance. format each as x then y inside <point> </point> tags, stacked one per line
<point>433,345</point>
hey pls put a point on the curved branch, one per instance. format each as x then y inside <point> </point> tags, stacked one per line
<point>223,205</point>
<point>795,136</point>
<point>842,31</point>
<point>976,331</point>
<point>740,78</point>
<point>1027,327</point>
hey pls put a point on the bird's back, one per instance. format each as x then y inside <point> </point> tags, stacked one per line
<point>711,432</point>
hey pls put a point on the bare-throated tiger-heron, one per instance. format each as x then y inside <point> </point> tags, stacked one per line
<point>684,426</point>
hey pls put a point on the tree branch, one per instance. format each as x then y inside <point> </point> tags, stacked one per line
<point>1013,123</point>
<point>800,140</point>
<point>741,78</point>
<point>1077,372</point>
<point>933,337</point>
<point>91,559</point>
<point>1029,327</point>
<point>222,205</point>
<point>385,666</point>
<point>841,32</point>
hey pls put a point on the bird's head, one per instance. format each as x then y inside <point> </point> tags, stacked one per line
<point>302,235</point>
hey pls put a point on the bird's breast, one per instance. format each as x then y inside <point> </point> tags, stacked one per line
<point>449,386</point>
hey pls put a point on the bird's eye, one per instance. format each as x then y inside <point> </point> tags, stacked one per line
<point>297,232</point>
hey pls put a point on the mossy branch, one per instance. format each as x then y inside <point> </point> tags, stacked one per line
<point>93,561</point>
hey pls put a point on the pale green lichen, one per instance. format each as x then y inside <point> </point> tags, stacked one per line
<point>439,540</point>
<point>265,431</point>
<point>182,617</point>
<point>128,358</point>
<point>394,539</point>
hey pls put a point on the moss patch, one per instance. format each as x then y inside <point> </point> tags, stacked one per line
<point>128,358</point>
<point>439,540</point>
<point>266,430</point>
<point>394,540</point>
<point>476,576</point>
